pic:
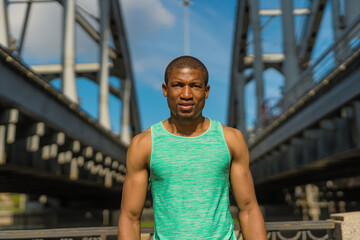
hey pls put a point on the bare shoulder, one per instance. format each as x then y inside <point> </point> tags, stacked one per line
<point>142,139</point>
<point>140,149</point>
<point>235,141</point>
<point>233,135</point>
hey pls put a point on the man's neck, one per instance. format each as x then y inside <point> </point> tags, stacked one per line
<point>188,128</point>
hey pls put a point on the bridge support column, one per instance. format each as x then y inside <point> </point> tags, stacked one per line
<point>125,136</point>
<point>103,76</point>
<point>290,65</point>
<point>347,225</point>
<point>69,83</point>
<point>258,64</point>
<point>338,25</point>
<point>4,28</point>
<point>240,100</point>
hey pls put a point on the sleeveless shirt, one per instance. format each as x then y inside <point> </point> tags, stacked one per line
<point>189,179</point>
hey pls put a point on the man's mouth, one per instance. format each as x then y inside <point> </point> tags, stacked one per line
<point>186,106</point>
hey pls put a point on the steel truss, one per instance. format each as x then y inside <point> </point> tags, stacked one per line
<point>292,62</point>
<point>111,27</point>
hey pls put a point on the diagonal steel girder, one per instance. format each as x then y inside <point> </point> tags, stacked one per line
<point>313,25</point>
<point>120,57</point>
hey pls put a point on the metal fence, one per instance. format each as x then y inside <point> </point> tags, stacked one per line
<point>315,230</point>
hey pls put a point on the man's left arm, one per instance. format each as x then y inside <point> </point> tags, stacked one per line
<point>250,217</point>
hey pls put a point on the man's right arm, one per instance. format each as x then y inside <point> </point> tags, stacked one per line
<point>135,187</point>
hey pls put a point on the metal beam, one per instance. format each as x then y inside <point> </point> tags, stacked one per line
<point>258,64</point>
<point>312,28</point>
<point>49,106</point>
<point>58,68</point>
<point>26,20</point>
<point>88,70</point>
<point>103,74</point>
<point>239,51</point>
<point>338,25</point>
<point>123,62</point>
<point>348,89</point>
<point>125,134</point>
<point>240,101</point>
<point>92,32</point>
<point>266,58</point>
<point>290,66</point>
<point>277,12</point>
<point>68,58</point>
<point>351,11</point>
<point>4,27</point>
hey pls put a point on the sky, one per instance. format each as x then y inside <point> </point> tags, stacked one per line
<point>158,38</point>
<point>155,35</point>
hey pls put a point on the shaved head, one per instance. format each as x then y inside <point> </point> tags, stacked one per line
<point>186,62</point>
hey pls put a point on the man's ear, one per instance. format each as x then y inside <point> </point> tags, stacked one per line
<point>164,89</point>
<point>207,90</point>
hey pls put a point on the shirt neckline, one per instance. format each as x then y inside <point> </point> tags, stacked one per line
<point>202,134</point>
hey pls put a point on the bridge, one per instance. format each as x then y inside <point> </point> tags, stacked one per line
<point>50,145</point>
<point>312,133</point>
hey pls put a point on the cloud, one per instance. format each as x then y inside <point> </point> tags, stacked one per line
<point>43,38</point>
<point>150,70</point>
<point>146,16</point>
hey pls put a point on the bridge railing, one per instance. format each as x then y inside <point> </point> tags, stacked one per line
<point>314,230</point>
<point>317,75</point>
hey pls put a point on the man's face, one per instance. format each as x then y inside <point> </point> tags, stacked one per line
<point>186,93</point>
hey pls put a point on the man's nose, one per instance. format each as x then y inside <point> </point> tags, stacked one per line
<point>186,92</point>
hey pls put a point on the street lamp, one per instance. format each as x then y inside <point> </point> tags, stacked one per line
<point>186,4</point>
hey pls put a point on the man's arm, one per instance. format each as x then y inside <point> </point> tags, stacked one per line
<point>250,217</point>
<point>135,187</point>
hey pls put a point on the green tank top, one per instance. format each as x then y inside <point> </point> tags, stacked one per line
<point>189,179</point>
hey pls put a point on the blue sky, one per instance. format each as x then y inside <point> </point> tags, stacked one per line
<point>211,30</point>
<point>155,36</point>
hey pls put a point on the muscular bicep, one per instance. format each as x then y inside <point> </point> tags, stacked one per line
<point>242,185</point>
<point>240,176</point>
<point>136,181</point>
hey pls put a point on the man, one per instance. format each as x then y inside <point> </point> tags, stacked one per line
<point>189,160</point>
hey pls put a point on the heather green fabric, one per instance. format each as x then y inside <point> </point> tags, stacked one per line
<point>189,179</point>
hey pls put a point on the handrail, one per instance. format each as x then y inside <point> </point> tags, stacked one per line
<point>272,227</point>
<point>295,98</point>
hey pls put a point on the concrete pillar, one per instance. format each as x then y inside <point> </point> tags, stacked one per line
<point>103,76</point>
<point>347,225</point>
<point>258,64</point>
<point>125,135</point>
<point>240,99</point>
<point>69,83</point>
<point>290,64</point>
<point>4,28</point>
